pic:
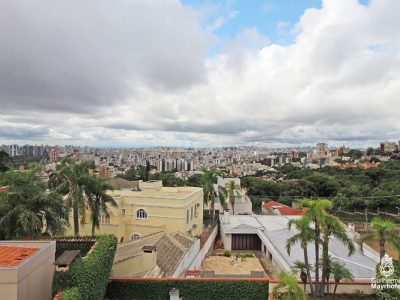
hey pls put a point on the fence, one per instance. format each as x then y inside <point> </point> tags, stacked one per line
<point>366,216</point>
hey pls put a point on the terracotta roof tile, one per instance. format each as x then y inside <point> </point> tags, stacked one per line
<point>269,204</point>
<point>283,209</point>
<point>14,256</point>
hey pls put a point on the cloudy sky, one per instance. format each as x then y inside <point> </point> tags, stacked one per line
<point>199,73</point>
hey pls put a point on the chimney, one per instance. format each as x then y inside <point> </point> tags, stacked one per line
<point>174,294</point>
<point>149,256</point>
<point>226,216</point>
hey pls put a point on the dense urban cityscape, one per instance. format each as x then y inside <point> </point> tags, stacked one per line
<point>199,150</point>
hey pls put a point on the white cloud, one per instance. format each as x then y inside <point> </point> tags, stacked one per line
<point>338,81</point>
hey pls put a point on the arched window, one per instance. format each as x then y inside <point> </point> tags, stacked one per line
<point>141,214</point>
<point>135,236</point>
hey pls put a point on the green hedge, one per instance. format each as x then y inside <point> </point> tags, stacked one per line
<point>61,280</point>
<point>90,275</point>
<point>71,294</point>
<point>189,289</point>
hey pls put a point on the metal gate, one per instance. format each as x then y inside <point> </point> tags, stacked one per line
<point>246,242</point>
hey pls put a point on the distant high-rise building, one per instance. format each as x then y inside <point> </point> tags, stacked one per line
<point>388,146</point>
<point>321,149</point>
<point>13,150</point>
<point>53,153</point>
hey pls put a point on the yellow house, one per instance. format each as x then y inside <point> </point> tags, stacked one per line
<point>152,209</point>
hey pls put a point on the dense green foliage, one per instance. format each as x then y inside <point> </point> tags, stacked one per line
<point>168,179</point>
<point>135,173</point>
<point>352,188</point>
<point>90,274</point>
<point>61,280</point>
<point>81,191</point>
<point>5,161</point>
<point>188,289</point>
<point>27,209</point>
<point>71,294</point>
<point>288,288</point>
<point>87,275</point>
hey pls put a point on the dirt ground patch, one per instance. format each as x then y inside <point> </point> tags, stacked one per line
<point>228,265</point>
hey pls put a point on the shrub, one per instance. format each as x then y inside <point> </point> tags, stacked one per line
<point>227,253</point>
<point>71,294</point>
<point>90,275</point>
<point>153,289</point>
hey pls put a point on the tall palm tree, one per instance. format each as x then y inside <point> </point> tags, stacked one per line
<point>68,179</point>
<point>222,196</point>
<point>331,226</point>
<point>233,190</point>
<point>208,180</point>
<point>339,272</point>
<point>383,231</point>
<point>288,288</point>
<point>98,200</point>
<point>304,236</point>
<point>328,262</point>
<point>315,214</point>
<point>27,209</point>
<point>302,268</point>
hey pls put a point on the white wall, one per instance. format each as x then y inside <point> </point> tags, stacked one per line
<point>226,238</point>
<point>191,260</point>
<point>209,244</point>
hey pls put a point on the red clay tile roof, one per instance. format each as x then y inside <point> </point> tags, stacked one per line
<point>14,256</point>
<point>288,211</point>
<point>269,204</point>
<point>283,209</point>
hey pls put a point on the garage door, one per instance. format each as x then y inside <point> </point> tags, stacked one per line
<point>246,242</point>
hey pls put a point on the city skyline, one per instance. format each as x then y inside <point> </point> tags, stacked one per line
<point>197,73</point>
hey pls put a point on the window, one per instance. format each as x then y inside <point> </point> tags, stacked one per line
<point>135,236</point>
<point>195,210</point>
<point>123,211</point>
<point>191,213</point>
<point>187,216</point>
<point>104,219</point>
<point>141,214</point>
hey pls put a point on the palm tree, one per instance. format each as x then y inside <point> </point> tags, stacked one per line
<point>302,268</point>
<point>316,213</point>
<point>98,200</point>
<point>5,160</point>
<point>339,272</point>
<point>68,179</point>
<point>288,288</point>
<point>27,209</point>
<point>233,190</point>
<point>222,196</point>
<point>304,236</point>
<point>383,231</point>
<point>328,262</point>
<point>331,226</point>
<point>208,180</point>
